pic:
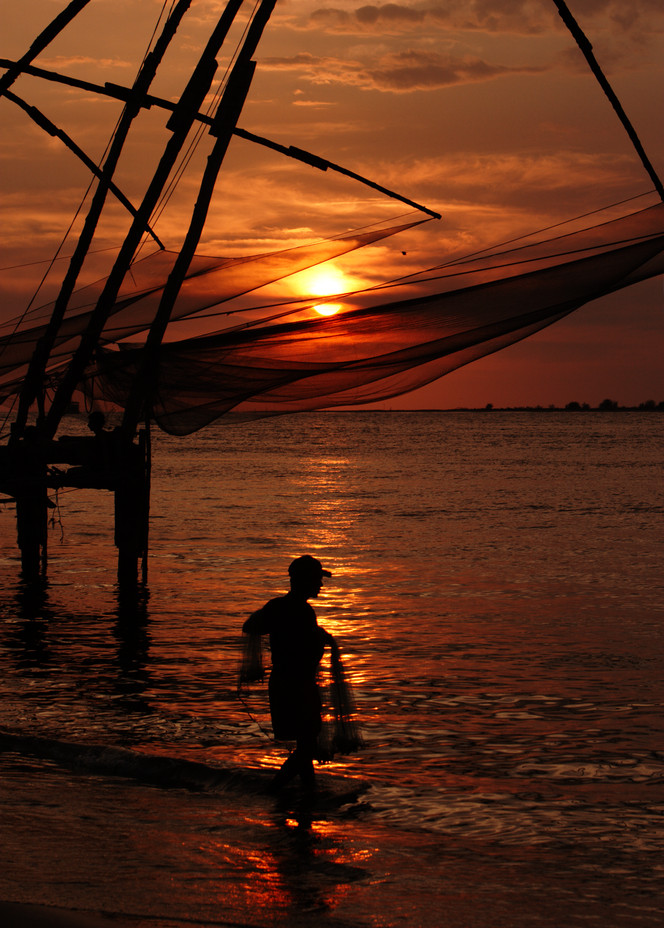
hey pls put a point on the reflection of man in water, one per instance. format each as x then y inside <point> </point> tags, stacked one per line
<point>297,643</point>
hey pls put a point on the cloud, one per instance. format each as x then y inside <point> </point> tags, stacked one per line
<point>413,70</point>
<point>556,183</point>
<point>400,72</point>
<point>557,170</point>
<point>394,18</point>
<point>63,62</point>
<point>524,17</point>
<point>314,103</point>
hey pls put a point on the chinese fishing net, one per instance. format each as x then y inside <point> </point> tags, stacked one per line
<point>384,341</point>
<point>388,340</point>
<point>341,732</point>
<point>210,282</point>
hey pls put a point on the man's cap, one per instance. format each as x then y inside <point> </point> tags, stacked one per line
<point>307,566</point>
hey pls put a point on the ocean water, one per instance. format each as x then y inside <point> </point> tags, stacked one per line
<point>497,594</point>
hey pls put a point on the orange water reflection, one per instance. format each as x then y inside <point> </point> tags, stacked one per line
<point>302,863</point>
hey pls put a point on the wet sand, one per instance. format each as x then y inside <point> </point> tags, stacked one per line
<point>13,915</point>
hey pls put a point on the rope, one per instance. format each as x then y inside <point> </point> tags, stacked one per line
<point>200,130</point>
<point>253,718</point>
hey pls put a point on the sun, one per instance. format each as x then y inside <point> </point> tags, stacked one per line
<point>328,281</point>
<point>327,309</point>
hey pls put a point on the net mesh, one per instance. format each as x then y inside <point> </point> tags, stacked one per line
<point>383,342</point>
<point>251,669</point>
<point>341,733</point>
<point>210,282</point>
<point>389,340</point>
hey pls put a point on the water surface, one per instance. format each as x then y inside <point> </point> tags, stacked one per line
<point>497,593</point>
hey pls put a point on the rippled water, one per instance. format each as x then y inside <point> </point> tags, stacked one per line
<point>497,591</point>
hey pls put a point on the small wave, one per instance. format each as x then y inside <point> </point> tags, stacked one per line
<point>157,770</point>
<point>164,771</point>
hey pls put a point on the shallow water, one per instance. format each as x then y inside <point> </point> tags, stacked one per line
<point>497,593</point>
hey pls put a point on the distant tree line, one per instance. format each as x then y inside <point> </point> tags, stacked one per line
<point>605,405</point>
<point>649,405</point>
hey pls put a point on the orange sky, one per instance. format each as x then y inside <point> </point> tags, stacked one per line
<point>484,111</point>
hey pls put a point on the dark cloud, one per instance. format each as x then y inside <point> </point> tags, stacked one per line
<point>397,73</point>
<point>393,18</point>
<point>524,17</point>
<point>426,71</point>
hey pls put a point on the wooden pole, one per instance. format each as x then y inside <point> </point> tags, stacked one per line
<point>28,479</point>
<point>584,44</point>
<point>120,92</point>
<point>222,130</point>
<point>180,124</point>
<point>34,377</point>
<point>44,39</point>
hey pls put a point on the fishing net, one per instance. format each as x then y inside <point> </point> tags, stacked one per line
<point>251,664</point>
<point>384,341</point>
<point>210,281</point>
<point>388,340</point>
<point>341,733</point>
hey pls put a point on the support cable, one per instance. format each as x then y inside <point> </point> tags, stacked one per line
<point>120,92</point>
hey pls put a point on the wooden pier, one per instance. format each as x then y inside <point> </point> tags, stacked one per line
<point>31,465</point>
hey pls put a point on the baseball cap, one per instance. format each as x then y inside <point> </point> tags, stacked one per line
<point>307,566</point>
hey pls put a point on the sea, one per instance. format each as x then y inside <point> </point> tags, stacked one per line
<point>497,595</point>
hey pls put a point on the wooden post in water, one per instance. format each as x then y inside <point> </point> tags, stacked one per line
<point>130,483</point>
<point>27,473</point>
<point>131,509</point>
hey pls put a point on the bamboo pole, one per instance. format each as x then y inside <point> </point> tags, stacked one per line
<point>586,48</point>
<point>228,113</point>
<point>180,124</point>
<point>34,378</point>
<point>120,92</point>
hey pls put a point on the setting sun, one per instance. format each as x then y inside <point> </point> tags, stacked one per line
<point>327,281</point>
<point>327,309</point>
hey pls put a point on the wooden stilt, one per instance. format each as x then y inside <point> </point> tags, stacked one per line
<point>131,511</point>
<point>106,461</point>
<point>31,524</point>
<point>24,476</point>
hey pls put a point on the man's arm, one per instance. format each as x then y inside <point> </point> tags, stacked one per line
<point>257,623</point>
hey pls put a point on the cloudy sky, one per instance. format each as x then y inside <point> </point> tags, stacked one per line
<point>483,110</point>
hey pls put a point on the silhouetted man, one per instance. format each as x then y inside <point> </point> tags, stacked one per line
<point>297,643</point>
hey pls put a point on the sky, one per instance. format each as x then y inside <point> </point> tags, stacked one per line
<point>483,110</point>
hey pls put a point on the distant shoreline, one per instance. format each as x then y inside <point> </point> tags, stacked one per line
<point>573,408</point>
<point>659,407</point>
<point>606,406</point>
